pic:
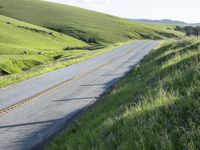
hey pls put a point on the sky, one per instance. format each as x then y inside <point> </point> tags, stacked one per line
<point>183,10</point>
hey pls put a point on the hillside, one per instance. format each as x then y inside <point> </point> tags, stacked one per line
<point>89,26</point>
<point>17,36</point>
<point>23,45</point>
<point>155,107</point>
<point>28,50</point>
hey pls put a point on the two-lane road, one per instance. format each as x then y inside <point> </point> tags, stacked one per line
<point>35,109</point>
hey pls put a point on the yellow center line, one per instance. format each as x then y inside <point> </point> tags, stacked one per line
<point>62,84</point>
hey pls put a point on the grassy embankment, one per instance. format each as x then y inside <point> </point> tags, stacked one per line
<point>157,106</point>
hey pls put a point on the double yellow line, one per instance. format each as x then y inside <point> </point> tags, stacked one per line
<point>60,85</point>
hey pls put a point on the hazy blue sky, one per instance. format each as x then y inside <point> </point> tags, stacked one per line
<point>184,10</point>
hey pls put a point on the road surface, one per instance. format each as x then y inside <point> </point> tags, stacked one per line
<point>36,109</point>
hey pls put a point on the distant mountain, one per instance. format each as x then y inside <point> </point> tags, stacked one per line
<point>196,24</point>
<point>166,21</point>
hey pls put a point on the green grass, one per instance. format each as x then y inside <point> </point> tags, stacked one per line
<point>24,46</point>
<point>17,36</point>
<point>89,26</point>
<point>157,106</point>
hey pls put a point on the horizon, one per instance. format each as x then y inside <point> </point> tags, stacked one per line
<point>135,9</point>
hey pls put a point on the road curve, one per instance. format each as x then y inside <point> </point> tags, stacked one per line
<point>35,109</point>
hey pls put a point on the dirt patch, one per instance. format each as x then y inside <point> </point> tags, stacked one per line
<point>3,72</point>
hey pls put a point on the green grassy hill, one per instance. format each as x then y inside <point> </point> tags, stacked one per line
<point>157,106</point>
<point>23,45</point>
<point>89,26</point>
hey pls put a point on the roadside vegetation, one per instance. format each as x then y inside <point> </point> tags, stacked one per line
<point>156,106</point>
<point>86,25</point>
<point>28,67</point>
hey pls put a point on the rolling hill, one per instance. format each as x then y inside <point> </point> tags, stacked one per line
<point>167,21</point>
<point>17,36</point>
<point>163,21</point>
<point>88,26</point>
<point>24,45</point>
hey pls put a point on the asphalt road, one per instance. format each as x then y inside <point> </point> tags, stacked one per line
<point>36,109</point>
